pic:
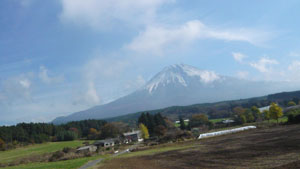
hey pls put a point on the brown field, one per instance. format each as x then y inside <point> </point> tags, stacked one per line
<point>276,147</point>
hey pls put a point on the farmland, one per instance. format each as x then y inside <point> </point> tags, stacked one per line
<point>69,164</point>
<point>37,149</point>
<point>269,147</point>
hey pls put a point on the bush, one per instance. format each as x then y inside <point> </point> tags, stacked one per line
<point>68,150</point>
<point>294,118</point>
<point>2,144</point>
<point>56,156</point>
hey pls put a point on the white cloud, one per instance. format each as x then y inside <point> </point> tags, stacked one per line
<point>101,13</point>
<point>104,68</point>
<point>44,76</point>
<point>264,64</point>
<point>91,95</point>
<point>239,57</point>
<point>242,74</point>
<point>25,83</point>
<point>155,39</point>
<point>15,89</point>
<point>133,85</point>
<point>294,66</point>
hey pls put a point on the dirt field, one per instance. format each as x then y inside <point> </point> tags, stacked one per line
<point>277,147</point>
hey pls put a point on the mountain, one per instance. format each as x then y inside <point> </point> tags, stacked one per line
<point>178,85</point>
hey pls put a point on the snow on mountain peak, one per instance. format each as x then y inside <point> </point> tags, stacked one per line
<point>180,74</point>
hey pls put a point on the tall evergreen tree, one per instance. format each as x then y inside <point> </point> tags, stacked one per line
<point>182,124</point>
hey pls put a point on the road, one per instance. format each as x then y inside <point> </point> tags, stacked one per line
<point>95,162</point>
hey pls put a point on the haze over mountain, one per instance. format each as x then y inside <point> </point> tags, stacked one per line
<point>179,84</point>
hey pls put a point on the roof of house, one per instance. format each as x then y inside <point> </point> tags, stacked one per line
<point>111,140</point>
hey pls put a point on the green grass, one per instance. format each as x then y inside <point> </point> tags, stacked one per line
<point>280,120</point>
<point>218,120</point>
<point>68,164</point>
<point>36,149</point>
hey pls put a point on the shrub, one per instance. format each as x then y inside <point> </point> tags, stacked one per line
<point>68,150</point>
<point>56,156</point>
<point>294,118</point>
<point>2,144</point>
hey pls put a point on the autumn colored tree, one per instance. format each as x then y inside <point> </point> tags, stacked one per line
<point>160,130</point>
<point>144,130</point>
<point>93,134</point>
<point>291,103</point>
<point>238,110</point>
<point>275,111</point>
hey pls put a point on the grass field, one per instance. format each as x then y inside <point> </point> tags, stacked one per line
<point>218,120</point>
<point>36,149</point>
<point>270,147</point>
<point>68,164</point>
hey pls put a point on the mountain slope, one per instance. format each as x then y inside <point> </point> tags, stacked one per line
<point>177,85</point>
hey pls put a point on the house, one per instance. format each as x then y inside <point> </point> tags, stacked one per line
<point>133,136</point>
<point>89,148</point>
<point>227,121</point>
<point>186,121</point>
<point>105,143</point>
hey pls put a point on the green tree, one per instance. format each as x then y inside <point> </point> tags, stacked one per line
<point>109,130</point>
<point>291,103</point>
<point>144,130</point>
<point>2,144</point>
<point>275,111</point>
<point>199,120</point>
<point>256,112</point>
<point>182,124</point>
<point>249,116</point>
<point>240,118</point>
<point>266,114</point>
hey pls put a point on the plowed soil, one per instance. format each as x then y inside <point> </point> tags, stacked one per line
<point>275,147</point>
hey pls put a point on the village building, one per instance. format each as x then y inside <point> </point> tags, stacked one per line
<point>105,143</point>
<point>133,136</point>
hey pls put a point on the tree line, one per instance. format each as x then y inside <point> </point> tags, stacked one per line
<point>29,133</point>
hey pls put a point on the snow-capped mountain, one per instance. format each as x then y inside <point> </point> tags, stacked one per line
<point>182,74</point>
<point>178,85</point>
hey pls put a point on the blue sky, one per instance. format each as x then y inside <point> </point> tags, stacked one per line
<point>62,56</point>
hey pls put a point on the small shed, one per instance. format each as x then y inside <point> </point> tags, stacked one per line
<point>89,148</point>
<point>105,143</point>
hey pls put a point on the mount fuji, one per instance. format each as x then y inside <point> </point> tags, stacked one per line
<point>178,85</point>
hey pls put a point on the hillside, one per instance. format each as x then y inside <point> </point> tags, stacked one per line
<point>179,85</point>
<point>218,109</point>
